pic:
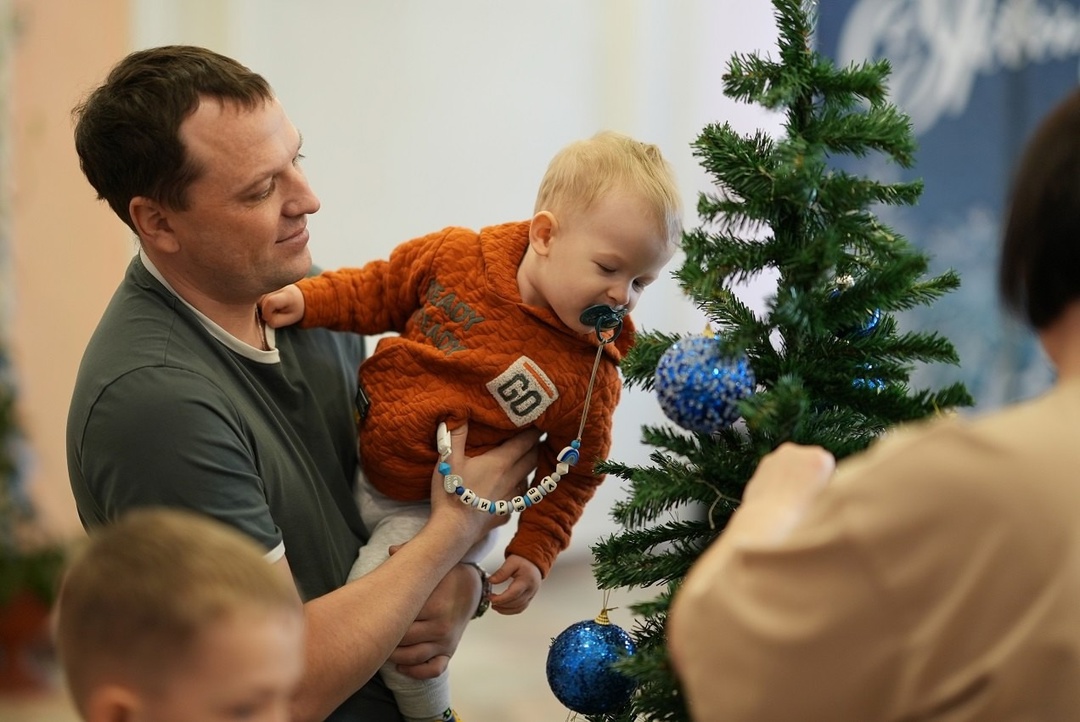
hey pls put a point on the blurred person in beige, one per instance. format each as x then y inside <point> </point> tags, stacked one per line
<point>935,576</point>
<point>168,615</point>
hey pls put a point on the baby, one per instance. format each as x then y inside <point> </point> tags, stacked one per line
<point>491,331</point>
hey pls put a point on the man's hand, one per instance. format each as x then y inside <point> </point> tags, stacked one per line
<point>426,648</point>
<point>496,474</point>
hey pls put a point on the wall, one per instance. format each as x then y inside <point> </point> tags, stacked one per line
<point>416,114</point>
<point>68,251</point>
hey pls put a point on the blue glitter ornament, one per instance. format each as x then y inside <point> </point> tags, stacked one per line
<point>699,388</point>
<point>579,667</point>
<point>863,329</point>
<point>868,382</point>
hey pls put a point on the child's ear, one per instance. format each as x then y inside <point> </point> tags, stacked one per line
<point>542,230</point>
<point>112,702</point>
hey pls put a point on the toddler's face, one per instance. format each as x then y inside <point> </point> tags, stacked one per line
<point>606,255</point>
<point>244,668</point>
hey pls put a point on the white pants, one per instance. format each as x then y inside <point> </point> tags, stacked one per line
<point>391,522</point>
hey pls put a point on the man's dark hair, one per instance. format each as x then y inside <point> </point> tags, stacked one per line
<point>127,130</point>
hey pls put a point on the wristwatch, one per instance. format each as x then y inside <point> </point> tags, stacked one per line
<point>485,590</point>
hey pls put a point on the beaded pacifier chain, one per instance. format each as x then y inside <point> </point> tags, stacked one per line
<point>607,322</point>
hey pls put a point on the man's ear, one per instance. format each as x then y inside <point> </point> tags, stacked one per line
<point>151,221</point>
<point>542,230</point>
<point>112,702</point>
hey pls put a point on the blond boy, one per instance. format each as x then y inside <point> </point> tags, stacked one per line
<point>491,330</point>
<point>166,615</point>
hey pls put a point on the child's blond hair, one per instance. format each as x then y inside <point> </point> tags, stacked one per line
<point>584,171</point>
<point>139,593</point>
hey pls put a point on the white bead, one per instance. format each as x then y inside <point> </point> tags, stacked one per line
<point>483,505</point>
<point>502,508</point>
<point>569,455</point>
<point>519,503</point>
<point>451,482</point>
<point>555,476</point>
<point>468,497</point>
<point>535,495</point>
<point>563,468</point>
<point>442,441</point>
<point>548,484</point>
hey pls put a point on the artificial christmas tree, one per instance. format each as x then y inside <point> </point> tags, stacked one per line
<point>827,362</point>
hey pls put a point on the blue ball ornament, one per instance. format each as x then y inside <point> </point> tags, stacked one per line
<point>698,387</point>
<point>867,327</point>
<point>579,668</point>
<point>868,381</point>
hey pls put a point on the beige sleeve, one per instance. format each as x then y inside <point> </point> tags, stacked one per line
<point>812,628</point>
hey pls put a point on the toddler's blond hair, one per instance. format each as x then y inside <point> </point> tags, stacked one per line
<point>584,171</point>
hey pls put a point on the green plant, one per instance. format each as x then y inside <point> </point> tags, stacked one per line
<point>27,560</point>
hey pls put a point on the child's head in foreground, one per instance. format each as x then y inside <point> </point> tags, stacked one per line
<point>608,217</point>
<point>167,615</point>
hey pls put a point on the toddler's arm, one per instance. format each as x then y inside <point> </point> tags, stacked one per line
<point>525,583</point>
<point>283,307</point>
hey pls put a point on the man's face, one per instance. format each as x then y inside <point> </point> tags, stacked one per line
<point>241,669</point>
<point>244,232</point>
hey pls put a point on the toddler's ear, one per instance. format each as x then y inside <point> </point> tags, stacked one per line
<point>542,230</point>
<point>112,702</point>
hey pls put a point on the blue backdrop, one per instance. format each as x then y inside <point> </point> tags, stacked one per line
<point>975,76</point>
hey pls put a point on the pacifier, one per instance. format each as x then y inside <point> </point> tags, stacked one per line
<point>604,318</point>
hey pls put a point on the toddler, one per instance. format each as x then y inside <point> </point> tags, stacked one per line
<point>491,330</point>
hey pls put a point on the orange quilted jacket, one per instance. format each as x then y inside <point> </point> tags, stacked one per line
<point>468,348</point>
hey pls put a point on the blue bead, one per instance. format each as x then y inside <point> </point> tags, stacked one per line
<point>491,509</point>
<point>528,501</point>
<point>444,468</point>
<point>576,444</point>
<point>460,490</point>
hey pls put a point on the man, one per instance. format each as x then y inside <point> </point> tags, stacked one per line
<point>185,398</point>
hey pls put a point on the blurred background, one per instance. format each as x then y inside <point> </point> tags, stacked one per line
<point>418,114</point>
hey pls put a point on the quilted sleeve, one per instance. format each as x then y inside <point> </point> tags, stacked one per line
<point>377,297</point>
<point>544,529</point>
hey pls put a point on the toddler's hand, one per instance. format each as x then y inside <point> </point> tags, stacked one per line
<point>525,583</point>
<point>283,307</point>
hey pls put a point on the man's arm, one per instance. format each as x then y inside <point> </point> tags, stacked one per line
<point>353,630</point>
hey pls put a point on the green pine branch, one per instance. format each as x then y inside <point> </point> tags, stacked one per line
<point>832,364</point>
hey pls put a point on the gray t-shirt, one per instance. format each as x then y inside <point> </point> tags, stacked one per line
<point>166,411</point>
